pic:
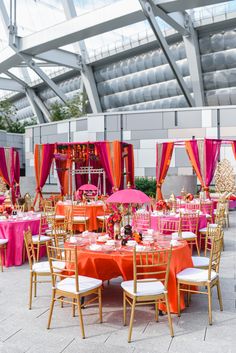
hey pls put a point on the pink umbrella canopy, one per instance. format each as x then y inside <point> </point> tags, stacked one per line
<point>128,196</point>
<point>88,187</point>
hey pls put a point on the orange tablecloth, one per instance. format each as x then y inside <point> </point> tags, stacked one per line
<point>106,266</point>
<point>92,211</point>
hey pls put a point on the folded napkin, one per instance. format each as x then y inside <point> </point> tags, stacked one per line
<point>95,247</point>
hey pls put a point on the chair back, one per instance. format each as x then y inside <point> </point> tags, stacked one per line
<point>168,225</point>
<point>43,226</point>
<point>29,247</point>
<point>215,255</point>
<point>67,255</point>
<point>80,211</point>
<point>192,206</point>
<point>151,266</point>
<point>211,233</point>
<point>207,207</point>
<point>190,222</point>
<point>141,221</point>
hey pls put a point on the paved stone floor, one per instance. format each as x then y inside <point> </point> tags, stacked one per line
<point>22,330</point>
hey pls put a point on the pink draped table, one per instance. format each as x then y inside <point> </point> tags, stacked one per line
<point>2,199</point>
<point>154,221</point>
<point>13,230</point>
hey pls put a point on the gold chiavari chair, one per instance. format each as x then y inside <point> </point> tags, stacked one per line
<point>78,216</point>
<point>208,278</point>
<point>203,261</point>
<point>169,225</point>
<point>103,218</point>
<point>72,286</point>
<point>3,247</point>
<point>37,269</point>
<point>189,229</point>
<point>149,286</point>
<point>141,221</point>
<point>207,208</point>
<point>41,239</point>
<point>219,221</point>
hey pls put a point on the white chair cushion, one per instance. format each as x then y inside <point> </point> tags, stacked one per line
<point>85,284</point>
<point>3,241</point>
<point>204,230</point>
<point>144,288</point>
<point>41,238</point>
<point>80,219</point>
<point>185,235</point>
<point>101,218</point>
<point>45,267</point>
<point>195,275</point>
<point>52,231</point>
<point>200,261</point>
<point>59,216</point>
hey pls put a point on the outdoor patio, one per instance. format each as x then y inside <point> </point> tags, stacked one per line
<point>22,330</point>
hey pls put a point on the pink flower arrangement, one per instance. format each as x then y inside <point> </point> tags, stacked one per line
<point>189,197</point>
<point>112,219</point>
<point>161,205</point>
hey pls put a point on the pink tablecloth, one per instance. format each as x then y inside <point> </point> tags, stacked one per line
<point>2,199</point>
<point>154,221</point>
<point>13,230</point>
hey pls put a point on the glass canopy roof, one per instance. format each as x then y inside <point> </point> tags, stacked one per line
<point>33,16</point>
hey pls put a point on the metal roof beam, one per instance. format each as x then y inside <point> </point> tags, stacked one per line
<point>33,65</point>
<point>195,68</point>
<point>10,85</point>
<point>105,19</point>
<point>61,57</point>
<point>182,5</point>
<point>30,94</point>
<point>86,71</point>
<point>176,20</point>
<point>148,11</point>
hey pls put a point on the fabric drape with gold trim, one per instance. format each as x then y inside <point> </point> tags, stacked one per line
<point>164,153</point>
<point>43,157</point>
<point>203,155</point>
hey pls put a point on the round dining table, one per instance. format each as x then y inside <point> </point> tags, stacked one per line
<point>93,210</point>
<point>13,230</point>
<point>108,264</point>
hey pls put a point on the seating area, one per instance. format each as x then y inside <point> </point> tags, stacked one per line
<point>25,330</point>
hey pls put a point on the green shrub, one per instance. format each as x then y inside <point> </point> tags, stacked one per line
<point>147,185</point>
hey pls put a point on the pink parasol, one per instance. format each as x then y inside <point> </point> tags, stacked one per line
<point>128,196</point>
<point>88,187</point>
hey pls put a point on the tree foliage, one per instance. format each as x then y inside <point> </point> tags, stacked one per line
<point>75,108</point>
<point>147,185</point>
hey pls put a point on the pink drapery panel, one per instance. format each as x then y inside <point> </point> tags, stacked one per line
<point>106,165</point>
<point>164,153</point>
<point>43,156</point>
<point>203,155</point>
<point>234,148</point>
<point>7,166</point>
<point>17,174</point>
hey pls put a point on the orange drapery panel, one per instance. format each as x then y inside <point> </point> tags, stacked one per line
<point>114,158</point>
<point>189,149</point>
<point>164,153</point>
